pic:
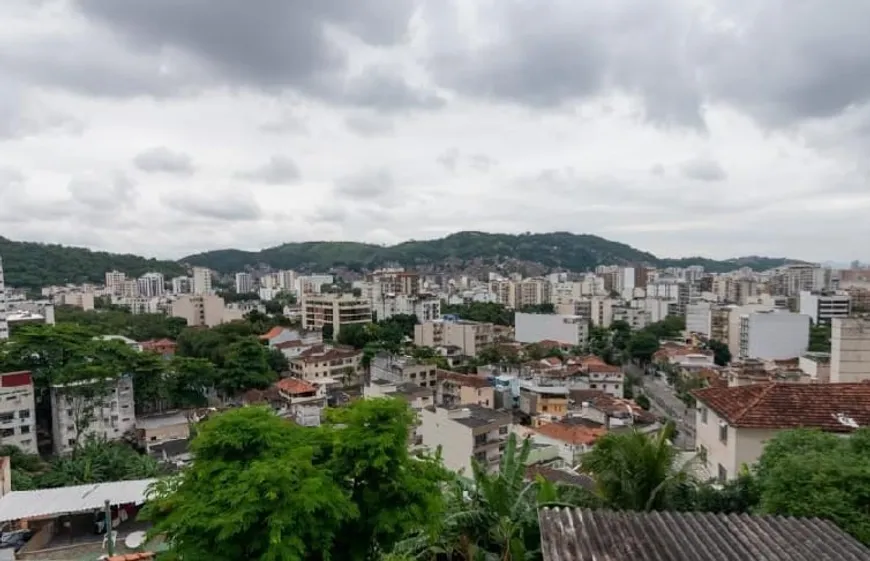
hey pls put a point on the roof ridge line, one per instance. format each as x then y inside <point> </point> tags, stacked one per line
<point>753,402</point>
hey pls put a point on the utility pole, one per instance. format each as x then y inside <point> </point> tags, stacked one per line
<point>110,543</point>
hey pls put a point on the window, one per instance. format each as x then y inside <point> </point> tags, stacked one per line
<point>6,417</point>
<point>703,414</point>
<point>723,432</point>
<point>11,397</point>
<point>702,453</point>
<point>25,429</point>
<point>723,474</point>
<point>503,430</point>
<point>24,414</point>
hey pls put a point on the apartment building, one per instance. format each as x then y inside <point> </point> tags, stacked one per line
<point>18,411</point>
<point>181,285</point>
<point>76,299</point>
<point>469,336</point>
<point>304,402</point>
<point>151,285</point>
<point>115,282</point>
<point>337,310</point>
<point>543,404</point>
<point>327,364</point>
<point>201,281</point>
<point>567,330</point>
<point>426,307</point>
<point>403,369</point>
<point>394,282</point>
<point>199,310</point>
<point>699,318</point>
<point>822,307</point>
<point>733,424</point>
<point>244,283</point>
<point>79,414</point>
<point>773,335</point>
<point>463,389</point>
<point>850,350</point>
<point>466,433</point>
<point>634,317</point>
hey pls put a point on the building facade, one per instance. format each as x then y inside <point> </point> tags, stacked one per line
<point>773,335</point>
<point>202,310</point>
<point>337,310</point>
<point>466,433</point>
<point>822,307</point>
<point>18,411</point>
<point>469,336</point>
<point>77,413</point>
<point>568,330</point>
<point>850,350</point>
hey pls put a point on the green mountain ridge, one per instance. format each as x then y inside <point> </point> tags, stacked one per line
<point>30,264</point>
<point>557,250</point>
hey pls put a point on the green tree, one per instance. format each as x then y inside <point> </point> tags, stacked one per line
<point>642,401</point>
<point>721,352</point>
<point>811,473</point>
<point>273,500</point>
<point>139,327</point>
<point>328,331</point>
<point>188,381</point>
<point>634,471</point>
<point>820,339</point>
<point>642,346</point>
<point>245,366</point>
<point>96,460</point>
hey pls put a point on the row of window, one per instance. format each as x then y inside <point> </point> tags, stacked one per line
<point>723,427</point>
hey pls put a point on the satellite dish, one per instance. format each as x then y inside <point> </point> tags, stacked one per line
<point>134,540</point>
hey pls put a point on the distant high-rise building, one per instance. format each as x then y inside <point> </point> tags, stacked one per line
<point>115,281</point>
<point>181,285</point>
<point>151,285</point>
<point>244,283</point>
<point>201,281</point>
<point>4,325</point>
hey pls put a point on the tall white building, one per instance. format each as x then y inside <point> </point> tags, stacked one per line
<point>773,335</point>
<point>151,285</point>
<point>181,285</point>
<point>822,307</point>
<point>287,280</point>
<point>201,281</point>
<point>568,330</point>
<point>4,325</point>
<point>115,282</point>
<point>244,283</point>
<point>850,350</point>
<point>699,318</point>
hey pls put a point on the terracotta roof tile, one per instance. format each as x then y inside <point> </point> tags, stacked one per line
<point>272,333</point>
<point>776,405</point>
<point>141,556</point>
<point>320,353</point>
<point>294,386</point>
<point>463,379</point>
<point>572,434</point>
<point>288,345</point>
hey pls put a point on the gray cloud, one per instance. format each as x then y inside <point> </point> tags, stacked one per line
<point>104,195</point>
<point>163,160</point>
<point>449,159</point>
<point>703,169</point>
<point>226,205</point>
<point>368,185</point>
<point>657,169</point>
<point>381,89</point>
<point>369,125</point>
<point>279,170</point>
<point>452,159</point>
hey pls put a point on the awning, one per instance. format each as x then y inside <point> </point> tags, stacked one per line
<point>41,503</point>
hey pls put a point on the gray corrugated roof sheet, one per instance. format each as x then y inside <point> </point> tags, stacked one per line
<point>603,535</point>
<point>19,505</point>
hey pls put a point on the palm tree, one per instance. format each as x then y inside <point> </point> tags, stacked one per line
<point>636,471</point>
<point>492,516</point>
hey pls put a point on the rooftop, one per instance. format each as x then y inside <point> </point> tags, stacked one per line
<point>775,405</point>
<point>571,433</point>
<point>477,416</point>
<point>463,379</point>
<point>603,535</point>
<point>295,386</point>
<point>561,476</point>
<point>19,505</point>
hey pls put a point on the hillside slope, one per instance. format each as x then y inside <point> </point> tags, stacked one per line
<point>33,265</point>
<point>559,250</point>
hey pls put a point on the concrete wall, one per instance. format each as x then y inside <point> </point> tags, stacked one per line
<point>778,335</point>
<point>850,350</point>
<point>532,328</point>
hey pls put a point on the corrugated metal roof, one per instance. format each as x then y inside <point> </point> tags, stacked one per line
<point>603,535</point>
<point>18,505</point>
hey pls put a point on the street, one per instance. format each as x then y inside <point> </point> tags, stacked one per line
<point>664,402</point>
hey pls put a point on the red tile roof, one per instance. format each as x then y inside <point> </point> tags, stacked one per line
<point>463,379</point>
<point>272,333</point>
<point>572,434</point>
<point>319,353</point>
<point>141,556</point>
<point>294,386</point>
<point>288,345</point>
<point>776,405</point>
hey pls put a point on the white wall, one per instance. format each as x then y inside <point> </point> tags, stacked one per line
<point>532,328</point>
<point>850,350</point>
<point>778,335</point>
<point>699,318</point>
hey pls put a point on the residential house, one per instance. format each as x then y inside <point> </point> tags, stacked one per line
<point>466,432</point>
<point>543,404</point>
<point>158,429</point>
<point>574,436</point>
<point>400,369</point>
<point>164,347</point>
<point>18,411</point>
<point>733,424</point>
<point>463,389</point>
<point>417,397</point>
<point>602,376</point>
<point>582,534</point>
<point>303,402</point>
<point>328,363</point>
<point>279,336</point>
<point>78,412</point>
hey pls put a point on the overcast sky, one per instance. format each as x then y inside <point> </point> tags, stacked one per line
<point>682,127</point>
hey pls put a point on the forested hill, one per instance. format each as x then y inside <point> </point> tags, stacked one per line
<point>559,250</point>
<point>32,265</point>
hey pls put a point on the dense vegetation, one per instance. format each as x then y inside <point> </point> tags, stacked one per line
<point>33,265</point>
<point>350,491</point>
<point>575,252</point>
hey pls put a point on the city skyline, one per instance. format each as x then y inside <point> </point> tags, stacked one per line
<point>677,128</point>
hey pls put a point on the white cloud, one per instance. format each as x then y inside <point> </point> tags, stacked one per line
<point>393,124</point>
